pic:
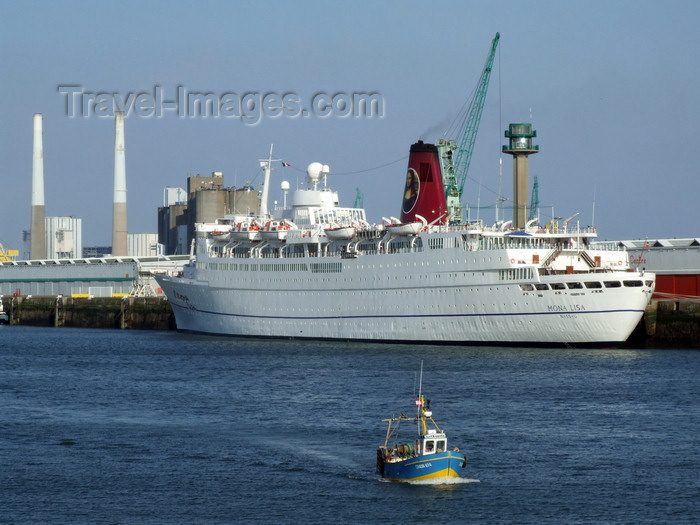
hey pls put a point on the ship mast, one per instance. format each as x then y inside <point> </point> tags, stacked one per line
<point>266,164</point>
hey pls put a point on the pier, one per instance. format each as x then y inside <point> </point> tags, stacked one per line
<point>138,313</point>
<point>670,323</point>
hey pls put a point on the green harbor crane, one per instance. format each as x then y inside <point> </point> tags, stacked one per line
<point>454,159</point>
<point>535,200</point>
<point>359,198</point>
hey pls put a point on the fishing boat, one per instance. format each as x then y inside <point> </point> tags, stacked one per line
<point>423,455</point>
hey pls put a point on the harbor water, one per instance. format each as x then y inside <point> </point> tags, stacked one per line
<point>109,426</point>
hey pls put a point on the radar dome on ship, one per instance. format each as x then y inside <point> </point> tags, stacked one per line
<point>316,170</point>
<point>284,186</point>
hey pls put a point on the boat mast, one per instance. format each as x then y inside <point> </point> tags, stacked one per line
<point>421,402</point>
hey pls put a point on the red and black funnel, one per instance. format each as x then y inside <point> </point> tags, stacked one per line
<point>424,193</point>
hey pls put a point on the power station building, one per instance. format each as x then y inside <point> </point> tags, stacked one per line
<point>64,237</point>
<point>207,199</point>
<point>54,261</point>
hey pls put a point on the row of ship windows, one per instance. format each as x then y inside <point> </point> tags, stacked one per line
<point>411,292</point>
<point>318,300</point>
<point>516,274</point>
<point>371,277</point>
<point>510,274</point>
<point>632,283</point>
<point>336,267</point>
<point>262,267</point>
<point>329,267</point>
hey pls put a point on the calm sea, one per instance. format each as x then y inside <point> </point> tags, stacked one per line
<point>101,426</point>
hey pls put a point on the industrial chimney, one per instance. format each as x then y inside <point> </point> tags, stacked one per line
<point>37,248</point>
<point>119,228</point>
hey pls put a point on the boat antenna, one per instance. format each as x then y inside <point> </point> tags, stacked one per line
<point>419,401</point>
<point>646,245</point>
<point>593,213</point>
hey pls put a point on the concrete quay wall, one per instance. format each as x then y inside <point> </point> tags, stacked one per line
<point>672,323</point>
<point>140,313</point>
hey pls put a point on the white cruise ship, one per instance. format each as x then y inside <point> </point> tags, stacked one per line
<point>322,271</point>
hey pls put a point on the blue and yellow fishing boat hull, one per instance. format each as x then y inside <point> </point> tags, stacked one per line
<point>438,465</point>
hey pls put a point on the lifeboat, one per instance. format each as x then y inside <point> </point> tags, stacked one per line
<point>341,233</point>
<point>247,231</point>
<point>220,235</point>
<point>404,228</point>
<point>276,230</point>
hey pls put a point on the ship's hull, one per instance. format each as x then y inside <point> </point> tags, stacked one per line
<point>454,310</point>
<point>440,465</point>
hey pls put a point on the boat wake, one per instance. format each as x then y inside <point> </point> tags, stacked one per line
<point>435,482</point>
<point>443,481</point>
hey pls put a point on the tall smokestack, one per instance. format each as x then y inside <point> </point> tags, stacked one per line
<point>119,229</point>
<point>37,248</point>
<point>424,193</point>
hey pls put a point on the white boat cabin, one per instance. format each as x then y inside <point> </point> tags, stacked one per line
<point>433,442</point>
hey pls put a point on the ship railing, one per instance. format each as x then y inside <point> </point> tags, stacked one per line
<point>539,230</point>
<point>462,227</point>
<point>608,246</point>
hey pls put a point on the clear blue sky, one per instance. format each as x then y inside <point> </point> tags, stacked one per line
<point>612,88</point>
